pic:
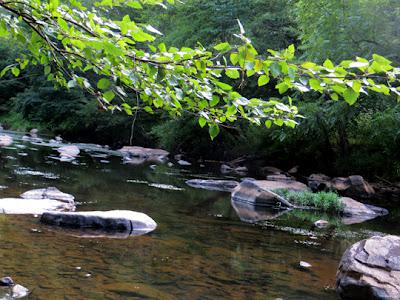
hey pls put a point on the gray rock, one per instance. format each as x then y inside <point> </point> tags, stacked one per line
<point>357,212</point>
<point>49,193</point>
<point>6,281</point>
<point>280,177</point>
<point>135,223</point>
<point>5,140</point>
<point>304,265</point>
<point>18,291</point>
<point>183,162</point>
<point>32,206</point>
<point>353,186</point>
<point>258,192</point>
<point>321,224</point>
<point>214,185</point>
<point>68,152</point>
<point>136,151</point>
<point>319,182</point>
<point>370,269</point>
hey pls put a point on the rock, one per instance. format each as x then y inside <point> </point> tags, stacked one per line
<point>140,152</point>
<point>258,192</point>
<point>184,163</point>
<point>268,170</point>
<point>49,193</point>
<point>357,212</point>
<point>321,224</point>
<point>353,186</point>
<point>225,169</point>
<point>18,291</point>
<point>370,269</point>
<point>280,177</point>
<point>253,214</point>
<point>32,206</point>
<point>319,182</point>
<point>135,223</point>
<point>304,265</point>
<point>214,185</point>
<point>6,281</point>
<point>293,170</point>
<point>5,140</point>
<point>68,152</point>
<point>33,131</point>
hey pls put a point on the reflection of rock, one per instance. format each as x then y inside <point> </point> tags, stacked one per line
<point>357,212</point>
<point>91,233</point>
<point>370,269</point>
<point>49,193</point>
<point>135,223</point>
<point>69,152</point>
<point>214,185</point>
<point>258,192</point>
<point>135,151</point>
<point>5,140</point>
<point>252,213</point>
<point>32,206</point>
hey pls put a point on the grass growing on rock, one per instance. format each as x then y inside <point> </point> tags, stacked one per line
<point>325,201</point>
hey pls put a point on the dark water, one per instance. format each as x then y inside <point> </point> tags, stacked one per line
<point>200,249</point>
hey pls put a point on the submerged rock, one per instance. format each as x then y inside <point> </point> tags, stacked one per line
<point>214,185</point>
<point>258,192</point>
<point>370,269</point>
<point>135,223</point>
<point>32,206</point>
<point>5,140</point>
<point>48,193</point>
<point>357,212</point>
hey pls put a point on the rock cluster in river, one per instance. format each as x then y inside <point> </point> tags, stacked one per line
<point>370,269</point>
<point>137,155</point>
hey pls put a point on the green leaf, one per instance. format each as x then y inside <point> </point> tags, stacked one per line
<point>234,74</point>
<point>234,57</point>
<point>109,95</point>
<point>268,123</point>
<point>213,130</point>
<point>103,84</point>
<point>15,71</point>
<point>263,80</point>
<point>350,96</point>
<point>202,122</point>
<point>223,47</point>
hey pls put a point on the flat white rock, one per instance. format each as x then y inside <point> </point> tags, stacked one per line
<point>32,206</point>
<point>48,193</point>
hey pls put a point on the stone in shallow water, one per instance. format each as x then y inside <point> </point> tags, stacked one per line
<point>32,206</point>
<point>214,185</point>
<point>370,269</point>
<point>6,281</point>
<point>48,193</point>
<point>356,212</point>
<point>135,223</point>
<point>68,152</point>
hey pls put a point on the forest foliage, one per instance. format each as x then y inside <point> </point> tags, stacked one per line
<point>220,79</point>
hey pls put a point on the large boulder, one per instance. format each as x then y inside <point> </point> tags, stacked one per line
<point>49,193</point>
<point>135,223</point>
<point>353,186</point>
<point>259,192</point>
<point>319,182</point>
<point>136,151</point>
<point>214,185</point>
<point>357,212</point>
<point>370,269</point>
<point>32,206</point>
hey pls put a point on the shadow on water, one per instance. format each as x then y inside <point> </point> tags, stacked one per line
<point>203,247</point>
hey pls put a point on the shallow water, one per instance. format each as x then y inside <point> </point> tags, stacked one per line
<point>200,250</point>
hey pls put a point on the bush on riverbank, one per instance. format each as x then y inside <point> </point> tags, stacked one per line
<point>325,201</point>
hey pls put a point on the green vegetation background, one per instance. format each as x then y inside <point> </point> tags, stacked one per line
<point>335,138</point>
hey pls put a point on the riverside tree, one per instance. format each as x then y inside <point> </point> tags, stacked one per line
<point>121,64</point>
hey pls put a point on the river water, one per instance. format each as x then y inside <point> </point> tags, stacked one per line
<point>201,248</point>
